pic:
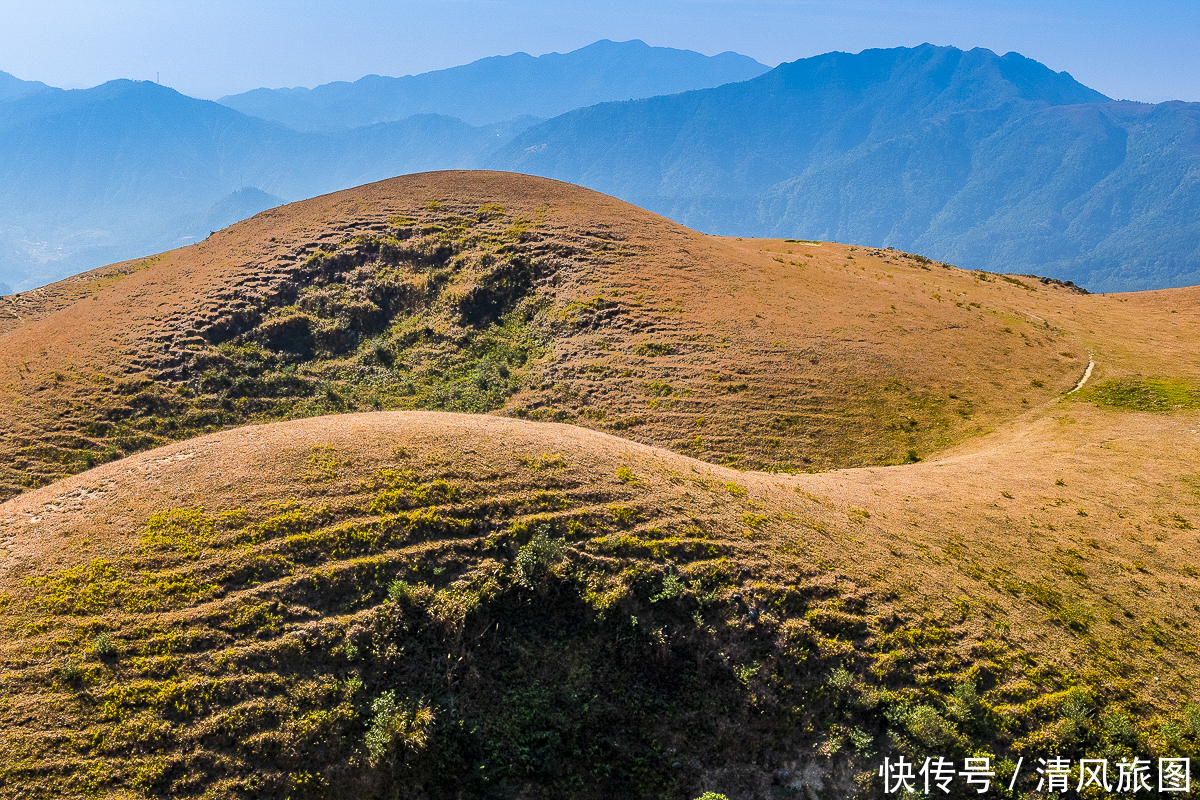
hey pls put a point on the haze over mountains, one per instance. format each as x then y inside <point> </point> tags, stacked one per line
<point>987,162</point>
<point>12,87</point>
<point>984,161</point>
<point>502,87</point>
<point>130,168</point>
<point>88,177</point>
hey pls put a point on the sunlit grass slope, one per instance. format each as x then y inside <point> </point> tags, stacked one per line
<point>953,554</point>
<point>491,292</point>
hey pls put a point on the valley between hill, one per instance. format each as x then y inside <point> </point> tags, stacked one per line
<point>815,505</point>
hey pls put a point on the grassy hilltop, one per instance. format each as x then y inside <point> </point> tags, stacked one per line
<point>710,514</point>
<point>479,292</point>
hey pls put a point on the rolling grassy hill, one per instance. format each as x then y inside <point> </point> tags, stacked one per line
<point>952,552</point>
<point>478,292</point>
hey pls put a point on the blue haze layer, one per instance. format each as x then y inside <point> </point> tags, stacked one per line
<point>985,161</point>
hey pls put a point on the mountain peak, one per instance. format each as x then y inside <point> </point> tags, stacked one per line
<point>938,74</point>
<point>1036,81</point>
<point>987,161</point>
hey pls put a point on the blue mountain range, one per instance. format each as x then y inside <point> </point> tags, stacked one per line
<point>980,160</point>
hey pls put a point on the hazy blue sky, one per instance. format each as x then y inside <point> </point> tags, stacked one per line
<point>1147,50</point>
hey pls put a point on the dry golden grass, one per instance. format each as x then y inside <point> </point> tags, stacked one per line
<point>1044,540</point>
<point>777,355</point>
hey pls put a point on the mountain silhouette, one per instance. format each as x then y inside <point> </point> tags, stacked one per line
<point>986,161</point>
<point>130,168</point>
<point>501,87</point>
<point>12,87</point>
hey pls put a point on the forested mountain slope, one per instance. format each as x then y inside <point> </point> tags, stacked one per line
<point>989,162</point>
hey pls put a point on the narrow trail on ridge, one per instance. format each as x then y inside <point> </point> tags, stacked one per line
<point>1087,373</point>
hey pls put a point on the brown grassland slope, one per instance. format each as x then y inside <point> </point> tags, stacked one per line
<point>486,291</point>
<point>815,505</point>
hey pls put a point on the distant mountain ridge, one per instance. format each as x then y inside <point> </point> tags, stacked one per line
<point>501,88</point>
<point>986,161</point>
<point>12,87</point>
<point>767,129</point>
<point>93,176</point>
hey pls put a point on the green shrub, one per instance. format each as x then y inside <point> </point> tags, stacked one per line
<point>70,670</point>
<point>746,672</point>
<point>489,211</point>
<point>931,729</point>
<point>537,556</point>
<point>841,679</point>
<point>623,515</point>
<point>672,588</point>
<point>754,521</point>
<point>322,464</point>
<point>104,645</point>
<point>403,727</point>
<point>965,701</point>
<point>653,349</point>
<point>182,529</point>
